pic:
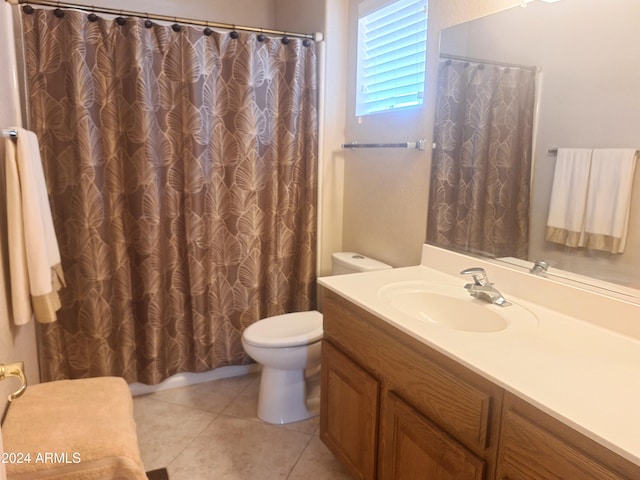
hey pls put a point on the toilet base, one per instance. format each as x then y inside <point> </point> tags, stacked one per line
<point>283,397</point>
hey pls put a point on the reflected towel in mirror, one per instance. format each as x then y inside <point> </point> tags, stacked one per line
<point>609,199</point>
<point>565,223</point>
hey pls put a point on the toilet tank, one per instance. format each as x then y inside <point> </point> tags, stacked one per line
<point>352,262</point>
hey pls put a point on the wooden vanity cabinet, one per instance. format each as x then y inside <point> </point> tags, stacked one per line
<point>535,446</point>
<point>394,408</point>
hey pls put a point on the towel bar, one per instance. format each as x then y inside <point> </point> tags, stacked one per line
<point>554,151</point>
<point>15,369</point>
<point>9,133</point>
<point>417,145</point>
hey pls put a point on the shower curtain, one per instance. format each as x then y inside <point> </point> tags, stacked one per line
<point>481,165</point>
<point>182,171</point>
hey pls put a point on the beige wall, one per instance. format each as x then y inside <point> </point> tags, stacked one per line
<point>305,16</point>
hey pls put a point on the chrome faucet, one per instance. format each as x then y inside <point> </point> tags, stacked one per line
<point>540,267</point>
<point>482,288</point>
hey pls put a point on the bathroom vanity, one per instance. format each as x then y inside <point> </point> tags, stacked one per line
<point>406,398</point>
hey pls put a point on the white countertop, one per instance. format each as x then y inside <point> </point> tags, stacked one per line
<point>580,373</point>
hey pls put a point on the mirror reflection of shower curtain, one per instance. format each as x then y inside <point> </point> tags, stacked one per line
<point>481,166</point>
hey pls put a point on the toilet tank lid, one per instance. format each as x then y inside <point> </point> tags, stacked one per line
<point>359,262</point>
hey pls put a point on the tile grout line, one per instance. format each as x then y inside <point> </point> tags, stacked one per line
<point>293,467</point>
<point>223,413</point>
<point>216,415</point>
<point>193,439</point>
<point>176,404</point>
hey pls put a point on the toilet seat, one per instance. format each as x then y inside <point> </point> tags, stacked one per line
<point>287,330</point>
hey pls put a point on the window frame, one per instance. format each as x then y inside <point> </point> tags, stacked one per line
<point>365,105</point>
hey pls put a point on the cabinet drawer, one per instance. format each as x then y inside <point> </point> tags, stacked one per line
<point>453,397</point>
<point>535,446</point>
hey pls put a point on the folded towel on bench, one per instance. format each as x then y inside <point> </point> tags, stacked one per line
<point>73,430</point>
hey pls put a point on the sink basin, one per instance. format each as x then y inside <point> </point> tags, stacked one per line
<point>451,306</point>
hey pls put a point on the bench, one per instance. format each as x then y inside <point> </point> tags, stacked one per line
<point>73,430</point>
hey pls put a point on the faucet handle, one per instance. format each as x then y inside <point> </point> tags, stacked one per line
<point>541,266</point>
<point>479,275</point>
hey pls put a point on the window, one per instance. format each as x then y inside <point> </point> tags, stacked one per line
<point>392,44</point>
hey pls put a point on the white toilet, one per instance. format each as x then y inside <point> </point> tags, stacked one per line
<point>288,345</point>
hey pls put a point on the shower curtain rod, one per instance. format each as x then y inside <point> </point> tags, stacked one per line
<point>489,62</point>
<point>317,37</point>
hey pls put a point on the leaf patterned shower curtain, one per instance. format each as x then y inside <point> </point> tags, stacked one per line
<point>481,166</point>
<point>182,171</point>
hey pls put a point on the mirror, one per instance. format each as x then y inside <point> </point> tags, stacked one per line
<point>587,96</point>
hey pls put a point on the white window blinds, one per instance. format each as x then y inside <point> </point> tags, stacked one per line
<point>392,43</point>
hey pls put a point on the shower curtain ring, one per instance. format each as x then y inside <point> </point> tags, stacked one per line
<point>58,12</point>
<point>234,34</point>
<point>92,16</point>
<point>148,23</point>
<point>207,31</point>
<point>176,26</point>
<point>261,36</point>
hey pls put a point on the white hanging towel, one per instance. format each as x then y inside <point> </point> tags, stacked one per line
<point>565,223</point>
<point>34,259</point>
<point>609,199</point>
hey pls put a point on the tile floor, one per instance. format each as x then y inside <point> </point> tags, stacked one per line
<point>211,431</point>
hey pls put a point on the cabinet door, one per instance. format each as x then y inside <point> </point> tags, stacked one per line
<point>534,446</point>
<point>413,448</point>
<point>348,412</point>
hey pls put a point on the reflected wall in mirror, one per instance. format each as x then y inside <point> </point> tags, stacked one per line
<point>587,96</point>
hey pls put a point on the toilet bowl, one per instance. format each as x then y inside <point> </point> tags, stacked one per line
<point>288,347</point>
<point>285,345</point>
